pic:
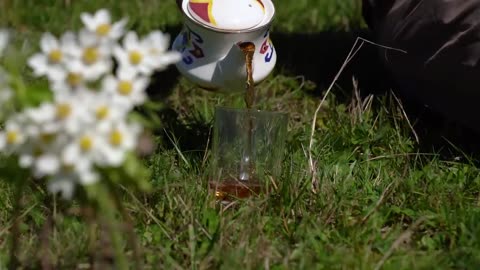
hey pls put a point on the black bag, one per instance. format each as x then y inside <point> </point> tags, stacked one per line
<point>442,39</point>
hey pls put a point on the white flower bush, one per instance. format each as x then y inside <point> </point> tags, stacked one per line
<point>85,127</point>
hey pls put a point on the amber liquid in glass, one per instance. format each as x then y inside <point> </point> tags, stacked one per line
<point>228,190</point>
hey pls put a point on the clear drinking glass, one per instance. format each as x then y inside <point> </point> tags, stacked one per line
<point>248,147</point>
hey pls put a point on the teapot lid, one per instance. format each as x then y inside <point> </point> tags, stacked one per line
<point>233,15</point>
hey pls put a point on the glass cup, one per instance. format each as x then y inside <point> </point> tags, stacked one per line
<point>248,147</point>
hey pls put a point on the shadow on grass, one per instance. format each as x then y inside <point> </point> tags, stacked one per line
<point>318,57</point>
<point>192,137</point>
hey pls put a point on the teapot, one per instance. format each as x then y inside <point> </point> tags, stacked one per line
<point>212,42</point>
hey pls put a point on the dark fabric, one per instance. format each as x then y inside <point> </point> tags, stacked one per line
<point>442,39</point>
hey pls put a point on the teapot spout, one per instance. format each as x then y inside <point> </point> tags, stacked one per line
<point>232,70</point>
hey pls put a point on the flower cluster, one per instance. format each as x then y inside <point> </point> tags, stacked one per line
<point>86,127</point>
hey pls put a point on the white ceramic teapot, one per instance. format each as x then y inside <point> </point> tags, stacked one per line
<point>211,39</point>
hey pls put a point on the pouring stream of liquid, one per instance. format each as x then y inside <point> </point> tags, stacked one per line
<point>248,49</point>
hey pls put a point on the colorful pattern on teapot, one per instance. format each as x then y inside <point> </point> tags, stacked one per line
<point>267,47</point>
<point>191,42</point>
<point>204,9</point>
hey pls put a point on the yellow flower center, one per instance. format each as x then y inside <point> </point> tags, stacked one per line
<point>135,57</point>
<point>90,55</point>
<point>47,137</point>
<point>74,79</point>
<point>102,112</point>
<point>12,137</point>
<point>103,29</point>
<point>55,56</point>
<point>86,143</point>
<point>63,110</point>
<point>116,138</point>
<point>125,88</point>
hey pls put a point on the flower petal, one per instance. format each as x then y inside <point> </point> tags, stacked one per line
<point>70,154</point>
<point>47,164</point>
<point>158,40</point>
<point>141,83</point>
<point>56,73</point>
<point>38,62</point>
<point>130,41</point>
<point>118,28</point>
<point>102,16</point>
<point>63,185</point>
<point>68,40</point>
<point>109,84</point>
<point>88,20</point>
<point>88,177</point>
<point>25,161</point>
<point>126,73</point>
<point>45,112</point>
<point>169,58</point>
<point>3,141</point>
<point>48,42</point>
<point>121,56</point>
<point>87,38</point>
<point>4,37</point>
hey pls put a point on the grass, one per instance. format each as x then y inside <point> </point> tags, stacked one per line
<point>381,203</point>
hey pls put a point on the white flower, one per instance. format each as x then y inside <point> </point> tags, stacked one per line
<point>134,55</point>
<point>119,140</point>
<point>54,54</point>
<point>67,114</point>
<point>63,182</point>
<point>68,177</point>
<point>45,164</point>
<point>46,138</point>
<point>4,36</point>
<point>127,89</point>
<point>40,120</point>
<point>72,79</point>
<point>13,136</point>
<point>103,110</point>
<point>83,150</point>
<point>92,55</point>
<point>71,111</point>
<point>158,44</point>
<point>41,153</point>
<point>100,23</point>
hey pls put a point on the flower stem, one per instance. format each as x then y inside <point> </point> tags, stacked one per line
<point>132,237</point>
<point>107,209</point>
<point>89,215</point>
<point>45,242</point>
<point>15,230</point>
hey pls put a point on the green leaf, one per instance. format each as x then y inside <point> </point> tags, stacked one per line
<point>10,171</point>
